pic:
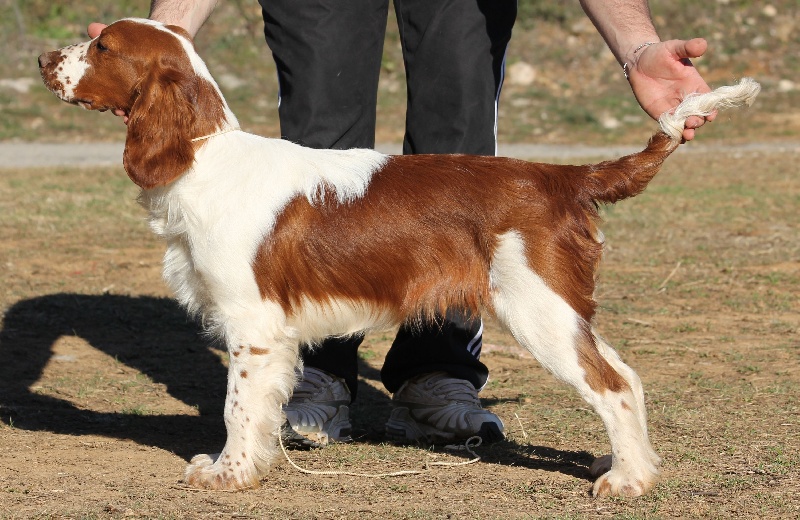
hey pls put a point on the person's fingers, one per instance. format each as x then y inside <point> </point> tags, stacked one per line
<point>694,122</point>
<point>95,28</point>
<point>121,113</point>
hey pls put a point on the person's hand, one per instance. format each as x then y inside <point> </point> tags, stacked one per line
<point>94,30</point>
<point>662,75</point>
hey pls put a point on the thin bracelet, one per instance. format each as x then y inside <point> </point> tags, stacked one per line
<point>625,67</point>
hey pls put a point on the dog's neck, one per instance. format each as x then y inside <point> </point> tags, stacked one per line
<point>215,134</point>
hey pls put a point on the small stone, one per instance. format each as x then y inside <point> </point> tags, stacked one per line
<point>230,81</point>
<point>610,122</point>
<point>786,85</point>
<point>520,74</point>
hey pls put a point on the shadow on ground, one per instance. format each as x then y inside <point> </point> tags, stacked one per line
<point>154,336</point>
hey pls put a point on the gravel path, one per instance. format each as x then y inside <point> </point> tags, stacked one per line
<point>33,155</point>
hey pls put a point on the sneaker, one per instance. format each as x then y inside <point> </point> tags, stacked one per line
<point>318,412</point>
<point>436,408</point>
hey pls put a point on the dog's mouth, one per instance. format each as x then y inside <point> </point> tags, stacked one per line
<point>83,103</point>
<point>88,104</point>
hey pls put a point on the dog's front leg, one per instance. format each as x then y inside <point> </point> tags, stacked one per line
<point>260,381</point>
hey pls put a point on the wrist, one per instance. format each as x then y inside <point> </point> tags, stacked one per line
<point>632,56</point>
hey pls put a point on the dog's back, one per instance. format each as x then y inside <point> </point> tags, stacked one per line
<point>424,235</point>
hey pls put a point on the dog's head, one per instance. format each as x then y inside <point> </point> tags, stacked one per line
<point>152,73</point>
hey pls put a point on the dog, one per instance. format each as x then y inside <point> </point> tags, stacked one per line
<point>276,245</point>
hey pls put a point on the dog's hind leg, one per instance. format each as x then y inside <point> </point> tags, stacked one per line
<point>603,464</point>
<point>616,393</point>
<point>562,341</point>
<point>261,376</point>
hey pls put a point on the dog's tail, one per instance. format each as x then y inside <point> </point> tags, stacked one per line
<point>611,181</point>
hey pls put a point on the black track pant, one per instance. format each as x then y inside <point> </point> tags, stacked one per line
<point>328,55</point>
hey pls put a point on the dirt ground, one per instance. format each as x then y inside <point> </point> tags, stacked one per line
<point>106,389</point>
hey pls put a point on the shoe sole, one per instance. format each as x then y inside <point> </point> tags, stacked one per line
<point>339,425</point>
<point>401,428</point>
<point>297,441</point>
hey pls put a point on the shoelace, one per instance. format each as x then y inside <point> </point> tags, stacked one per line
<point>472,442</point>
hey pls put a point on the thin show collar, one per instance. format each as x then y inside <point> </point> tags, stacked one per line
<point>220,132</point>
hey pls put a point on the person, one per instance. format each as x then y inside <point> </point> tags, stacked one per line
<point>328,58</point>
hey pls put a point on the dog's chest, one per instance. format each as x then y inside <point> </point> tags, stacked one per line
<point>211,242</point>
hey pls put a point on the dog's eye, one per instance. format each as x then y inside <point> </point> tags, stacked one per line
<point>101,47</point>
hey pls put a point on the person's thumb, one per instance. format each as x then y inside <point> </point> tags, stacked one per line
<point>693,48</point>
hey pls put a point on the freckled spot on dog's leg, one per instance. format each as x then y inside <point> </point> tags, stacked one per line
<point>256,351</point>
<point>604,489</point>
<point>243,373</point>
<point>624,405</point>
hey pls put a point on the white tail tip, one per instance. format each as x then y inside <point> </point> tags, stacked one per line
<point>745,92</point>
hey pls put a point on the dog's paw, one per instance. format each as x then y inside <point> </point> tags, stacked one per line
<point>616,482</point>
<point>219,472</point>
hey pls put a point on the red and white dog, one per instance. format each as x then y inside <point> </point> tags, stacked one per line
<point>277,245</point>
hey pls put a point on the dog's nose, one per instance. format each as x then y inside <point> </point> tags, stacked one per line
<point>44,60</point>
<point>49,58</point>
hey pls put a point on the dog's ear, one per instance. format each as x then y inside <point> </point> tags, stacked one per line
<point>159,145</point>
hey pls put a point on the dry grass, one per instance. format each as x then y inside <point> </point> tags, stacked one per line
<point>106,389</point>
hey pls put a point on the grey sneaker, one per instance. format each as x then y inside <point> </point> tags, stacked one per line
<point>437,408</point>
<point>318,412</point>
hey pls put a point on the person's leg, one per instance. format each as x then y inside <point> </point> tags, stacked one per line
<point>454,53</point>
<point>328,57</point>
<point>451,345</point>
